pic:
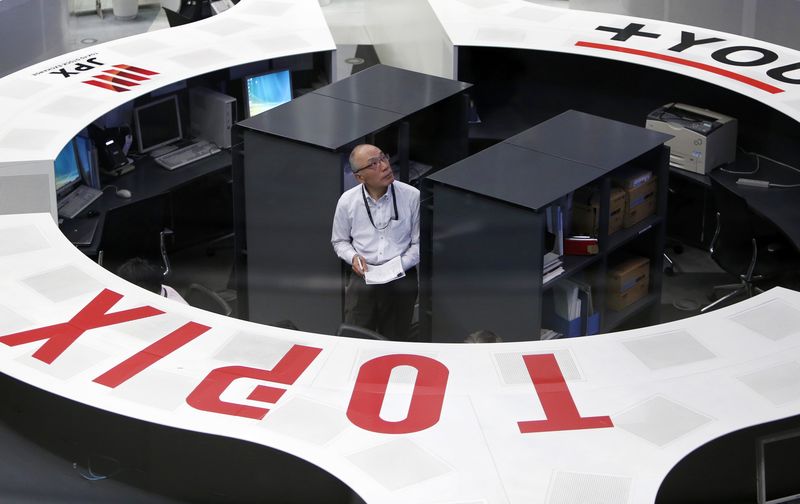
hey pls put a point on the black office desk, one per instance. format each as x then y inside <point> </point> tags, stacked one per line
<point>779,206</point>
<point>147,181</point>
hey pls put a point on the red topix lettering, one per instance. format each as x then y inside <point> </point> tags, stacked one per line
<point>140,361</point>
<point>557,402</point>
<point>206,396</point>
<point>60,336</point>
<point>370,390</point>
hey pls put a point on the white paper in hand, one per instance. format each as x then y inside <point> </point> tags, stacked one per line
<point>385,272</point>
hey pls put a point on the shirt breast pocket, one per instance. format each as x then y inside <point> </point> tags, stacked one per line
<point>401,231</point>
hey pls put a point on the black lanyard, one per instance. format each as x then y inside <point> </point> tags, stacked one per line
<point>369,214</point>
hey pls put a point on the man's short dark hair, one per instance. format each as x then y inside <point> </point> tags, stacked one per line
<point>483,336</point>
<point>142,273</point>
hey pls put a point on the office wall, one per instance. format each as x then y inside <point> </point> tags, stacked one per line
<point>407,34</point>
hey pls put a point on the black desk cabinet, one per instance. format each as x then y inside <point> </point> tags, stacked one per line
<point>130,226</point>
<point>293,168</point>
<point>484,226</point>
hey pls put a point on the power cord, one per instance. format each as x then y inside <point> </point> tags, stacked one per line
<point>761,183</point>
<point>752,172</point>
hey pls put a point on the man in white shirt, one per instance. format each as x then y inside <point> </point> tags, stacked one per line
<point>375,222</point>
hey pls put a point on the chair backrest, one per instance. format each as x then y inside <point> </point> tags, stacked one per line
<point>354,331</point>
<point>202,297</point>
<point>175,19</point>
<point>732,246</point>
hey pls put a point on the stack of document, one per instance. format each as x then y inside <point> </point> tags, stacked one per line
<point>547,334</point>
<point>566,299</point>
<point>552,266</point>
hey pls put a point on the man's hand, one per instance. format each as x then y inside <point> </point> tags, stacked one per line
<point>359,265</point>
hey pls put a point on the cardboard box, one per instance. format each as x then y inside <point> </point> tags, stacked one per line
<point>585,211</point>
<point>640,203</point>
<point>628,282</point>
<point>632,178</point>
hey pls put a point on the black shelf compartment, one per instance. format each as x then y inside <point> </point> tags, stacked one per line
<point>612,319</point>
<point>627,235</point>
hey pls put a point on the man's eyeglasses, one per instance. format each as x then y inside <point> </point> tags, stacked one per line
<point>373,163</point>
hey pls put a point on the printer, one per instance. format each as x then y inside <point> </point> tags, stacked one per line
<point>703,140</point>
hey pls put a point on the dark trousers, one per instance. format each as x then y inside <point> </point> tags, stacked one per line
<point>386,308</point>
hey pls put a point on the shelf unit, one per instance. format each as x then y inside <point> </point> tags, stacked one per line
<point>293,166</point>
<point>484,226</point>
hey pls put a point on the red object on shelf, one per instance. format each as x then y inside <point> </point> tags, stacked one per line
<point>580,246</point>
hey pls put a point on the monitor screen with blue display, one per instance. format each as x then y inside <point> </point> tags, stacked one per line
<point>67,170</point>
<point>84,148</point>
<point>265,91</point>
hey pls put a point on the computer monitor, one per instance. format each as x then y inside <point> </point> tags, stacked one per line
<point>157,124</point>
<point>265,91</point>
<point>776,472</point>
<point>67,170</point>
<point>87,160</point>
<point>83,148</point>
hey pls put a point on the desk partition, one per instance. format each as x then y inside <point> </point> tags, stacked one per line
<point>618,416</point>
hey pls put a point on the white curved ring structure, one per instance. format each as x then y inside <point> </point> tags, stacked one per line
<point>398,422</point>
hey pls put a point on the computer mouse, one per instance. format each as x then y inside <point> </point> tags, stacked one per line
<point>123,193</point>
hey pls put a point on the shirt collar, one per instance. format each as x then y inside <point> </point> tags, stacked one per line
<point>382,198</point>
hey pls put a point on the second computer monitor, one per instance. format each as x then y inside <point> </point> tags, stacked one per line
<point>157,124</point>
<point>67,170</point>
<point>265,91</point>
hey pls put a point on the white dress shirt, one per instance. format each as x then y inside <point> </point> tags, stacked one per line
<point>353,233</point>
<point>170,293</point>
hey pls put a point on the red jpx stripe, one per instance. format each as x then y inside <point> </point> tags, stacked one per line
<point>116,80</point>
<point>126,75</point>
<point>681,61</point>
<point>136,69</point>
<point>106,85</point>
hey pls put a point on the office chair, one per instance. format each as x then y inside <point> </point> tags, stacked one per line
<point>162,245</point>
<point>204,298</point>
<point>742,248</point>
<point>197,295</point>
<point>354,331</point>
<point>175,19</point>
<point>670,268</point>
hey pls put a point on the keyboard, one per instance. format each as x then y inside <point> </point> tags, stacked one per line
<point>73,203</point>
<point>188,154</point>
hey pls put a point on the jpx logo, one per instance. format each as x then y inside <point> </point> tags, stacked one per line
<point>119,78</point>
<point>728,55</point>
<point>116,78</point>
